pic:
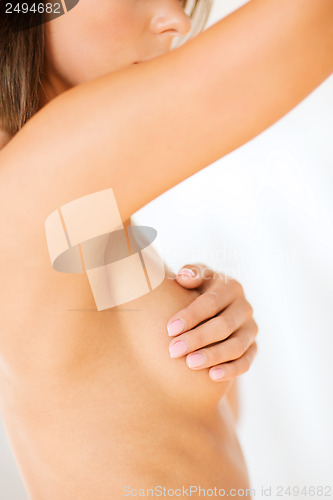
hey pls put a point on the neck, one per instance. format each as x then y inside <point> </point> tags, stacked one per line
<point>4,138</point>
<point>51,86</point>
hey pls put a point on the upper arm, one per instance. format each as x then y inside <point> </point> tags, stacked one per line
<point>148,127</point>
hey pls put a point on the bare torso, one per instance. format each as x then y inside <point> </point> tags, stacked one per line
<point>92,401</point>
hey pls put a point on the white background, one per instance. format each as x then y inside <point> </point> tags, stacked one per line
<point>264,215</point>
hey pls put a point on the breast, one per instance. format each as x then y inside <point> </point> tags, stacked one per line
<point>117,395</point>
<point>142,328</point>
<point>137,329</point>
<point>74,342</point>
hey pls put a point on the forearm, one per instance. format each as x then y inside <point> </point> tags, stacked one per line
<point>270,55</point>
<point>168,118</point>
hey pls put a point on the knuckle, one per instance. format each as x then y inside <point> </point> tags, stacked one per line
<point>212,299</point>
<point>254,346</point>
<point>238,287</point>
<point>237,347</point>
<point>228,323</point>
<point>249,308</point>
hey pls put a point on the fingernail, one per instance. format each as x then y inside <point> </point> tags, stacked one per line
<point>186,272</point>
<point>217,373</point>
<point>177,326</point>
<point>178,349</point>
<point>194,360</point>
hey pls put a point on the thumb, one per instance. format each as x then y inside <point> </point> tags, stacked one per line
<point>189,276</point>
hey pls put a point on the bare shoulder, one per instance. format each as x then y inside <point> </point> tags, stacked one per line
<point>147,127</point>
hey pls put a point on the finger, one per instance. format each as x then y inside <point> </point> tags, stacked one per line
<point>220,279</point>
<point>204,307</point>
<point>215,330</point>
<point>231,348</point>
<point>193,275</point>
<point>228,371</point>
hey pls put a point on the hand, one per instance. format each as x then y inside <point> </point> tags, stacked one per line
<point>225,339</point>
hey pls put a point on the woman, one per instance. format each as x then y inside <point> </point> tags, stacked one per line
<point>97,392</point>
<point>60,364</point>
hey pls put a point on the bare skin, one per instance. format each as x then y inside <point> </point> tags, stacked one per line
<point>71,403</point>
<point>86,391</point>
<point>114,404</point>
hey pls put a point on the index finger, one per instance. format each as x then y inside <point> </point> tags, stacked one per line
<point>216,297</point>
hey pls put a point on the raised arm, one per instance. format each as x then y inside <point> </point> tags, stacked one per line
<point>148,127</point>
